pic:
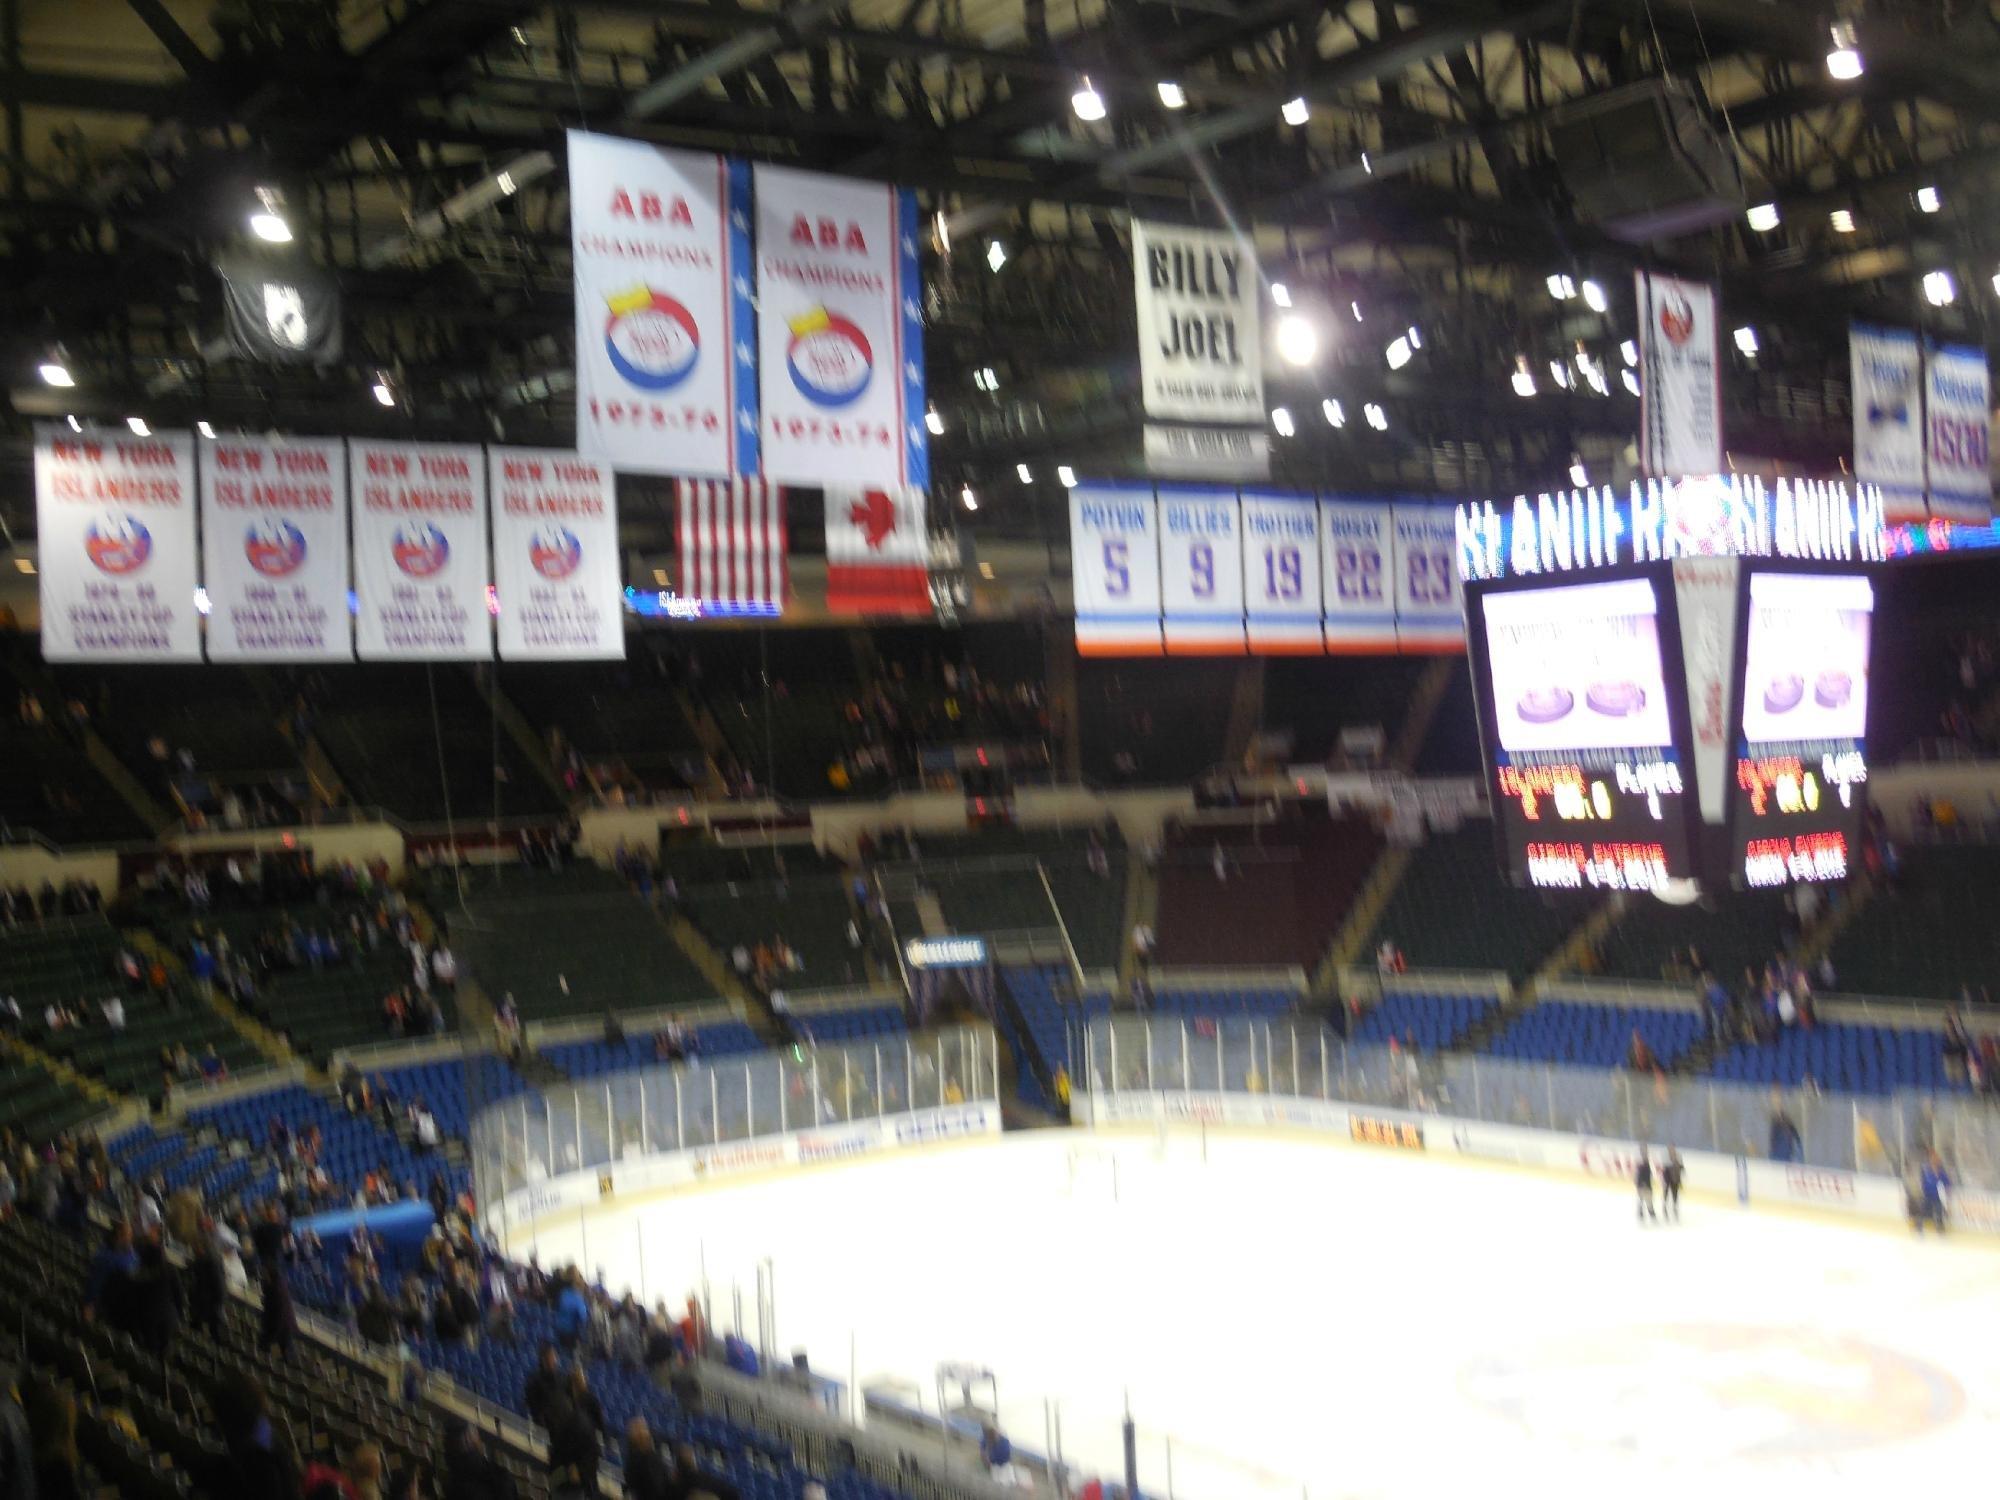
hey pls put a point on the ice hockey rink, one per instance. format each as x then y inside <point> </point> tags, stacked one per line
<point>1297,1318</point>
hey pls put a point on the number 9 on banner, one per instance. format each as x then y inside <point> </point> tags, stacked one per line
<point>1201,572</point>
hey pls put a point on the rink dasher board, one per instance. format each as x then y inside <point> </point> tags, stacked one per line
<point>1607,1159</point>
<point>615,1183</point>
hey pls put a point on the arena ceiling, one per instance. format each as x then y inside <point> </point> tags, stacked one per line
<point>416,146</point>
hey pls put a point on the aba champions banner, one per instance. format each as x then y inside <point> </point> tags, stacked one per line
<point>420,551</point>
<point>839,332</point>
<point>1680,410</point>
<point>274,549</point>
<point>666,378</point>
<point>115,519</point>
<point>555,555</point>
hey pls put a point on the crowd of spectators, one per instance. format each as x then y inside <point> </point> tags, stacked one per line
<point>22,907</point>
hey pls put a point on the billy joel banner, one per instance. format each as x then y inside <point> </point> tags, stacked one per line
<point>1957,409</point>
<point>555,555</point>
<point>839,332</point>
<point>115,521</point>
<point>666,377</point>
<point>1886,375</point>
<point>274,549</point>
<point>420,551</point>
<point>1680,411</point>
<point>1200,342</point>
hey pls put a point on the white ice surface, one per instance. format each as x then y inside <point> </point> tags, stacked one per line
<point>1315,1319</point>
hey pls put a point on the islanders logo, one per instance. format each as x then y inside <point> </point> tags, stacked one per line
<point>829,358</point>
<point>651,339</point>
<point>420,549</point>
<point>1701,518</point>
<point>1676,318</point>
<point>118,542</point>
<point>274,547</point>
<point>554,551</point>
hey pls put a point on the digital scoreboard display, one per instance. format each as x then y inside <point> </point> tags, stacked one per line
<point>1584,724</point>
<point>1801,768</point>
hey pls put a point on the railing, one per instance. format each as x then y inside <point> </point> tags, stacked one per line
<point>1300,1059</point>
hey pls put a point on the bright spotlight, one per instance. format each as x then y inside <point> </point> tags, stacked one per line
<point>1297,111</point>
<point>1629,352</point>
<point>1939,289</point>
<point>1594,298</point>
<point>1335,414</point>
<point>56,373</point>
<point>1281,418</point>
<point>1377,418</point>
<point>1843,59</point>
<point>1087,102</point>
<point>270,227</point>
<point>1561,287</point>
<point>1928,200</point>
<point>967,498</point>
<point>1763,217</point>
<point>1172,95</point>
<point>1631,379</point>
<point>934,420</point>
<point>206,429</point>
<point>1746,341</point>
<point>1026,474</point>
<point>1398,352</point>
<point>1281,295</point>
<point>1066,476</point>
<point>996,256</point>
<point>139,427</point>
<point>1298,340</point>
<point>1524,378</point>
<point>1578,475</point>
<point>1842,220</point>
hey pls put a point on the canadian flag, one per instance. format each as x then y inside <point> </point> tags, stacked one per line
<point>877,552</point>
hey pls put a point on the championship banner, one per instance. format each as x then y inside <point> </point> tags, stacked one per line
<point>1281,573</point>
<point>274,549</point>
<point>666,377</point>
<point>420,551</point>
<point>1114,549</point>
<point>114,521</point>
<point>1886,367</point>
<point>1201,572</point>
<point>1705,599</point>
<point>1957,412</point>
<point>1358,552</point>
<point>1200,337</point>
<point>840,332</point>
<point>555,556</point>
<point>1430,599</point>
<point>877,552</point>
<point>1680,410</point>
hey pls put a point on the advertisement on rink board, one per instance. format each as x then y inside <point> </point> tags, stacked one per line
<point>555,554</point>
<point>115,520</point>
<point>839,332</point>
<point>274,549</point>
<point>420,551</point>
<point>634,1174</point>
<point>666,377</point>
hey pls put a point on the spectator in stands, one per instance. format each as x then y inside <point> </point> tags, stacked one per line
<point>1957,1047</point>
<point>543,1385</point>
<point>469,1472</point>
<point>1639,1056</point>
<point>278,1325</point>
<point>51,1417</point>
<point>647,1474</point>
<point>153,1300</point>
<point>213,1068</point>
<point>256,1459</point>
<point>574,1448</point>
<point>110,1270</point>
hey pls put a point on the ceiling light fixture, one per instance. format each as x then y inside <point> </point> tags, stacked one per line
<point>1172,95</point>
<point>1763,217</point>
<point>1939,289</point>
<point>206,429</point>
<point>1398,352</point>
<point>1631,379</point>
<point>138,426</point>
<point>1297,111</point>
<point>1281,294</point>
<point>1843,59</point>
<point>1523,378</point>
<point>1561,287</point>
<point>1281,418</point>
<point>1334,412</point>
<point>1594,298</point>
<point>1087,102</point>
<point>996,256</point>
<point>1842,220</point>
<point>1027,474</point>
<point>1377,418</point>
<point>1298,340</point>
<point>76,426</point>
<point>1746,341</point>
<point>1066,476</point>
<point>385,393</point>
<point>56,373</point>
<point>1629,352</point>
<point>1929,200</point>
<point>934,421</point>
<point>967,498</point>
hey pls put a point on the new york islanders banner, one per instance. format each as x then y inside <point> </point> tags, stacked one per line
<point>839,332</point>
<point>733,545</point>
<point>114,516</point>
<point>274,549</point>
<point>555,555</point>
<point>666,375</point>
<point>420,551</point>
<point>877,552</point>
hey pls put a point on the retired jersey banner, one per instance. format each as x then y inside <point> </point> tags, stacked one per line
<point>1201,347</point>
<point>1281,573</point>
<point>1201,572</point>
<point>1430,599</point>
<point>556,571</point>
<point>733,546</point>
<point>1680,410</point>
<point>1359,559</point>
<point>840,332</point>
<point>877,552</point>
<point>420,551</point>
<point>1957,411</point>
<point>666,377</point>
<point>1114,547</point>
<point>274,549</point>
<point>1886,384</point>
<point>115,528</point>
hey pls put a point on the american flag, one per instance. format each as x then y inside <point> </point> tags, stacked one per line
<point>733,542</point>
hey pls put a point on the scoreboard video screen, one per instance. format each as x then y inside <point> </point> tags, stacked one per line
<point>1801,721</point>
<point>1584,724</point>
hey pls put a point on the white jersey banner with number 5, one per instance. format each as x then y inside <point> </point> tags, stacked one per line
<point>1430,601</point>
<point>1359,558</point>
<point>1201,572</point>
<point>1281,573</point>
<point>420,551</point>
<point>1115,570</point>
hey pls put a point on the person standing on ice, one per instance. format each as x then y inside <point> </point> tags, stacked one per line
<point>1934,1183</point>
<point>1671,1173</point>
<point>1643,1181</point>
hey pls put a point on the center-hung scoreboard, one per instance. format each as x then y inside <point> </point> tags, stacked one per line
<point>1204,571</point>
